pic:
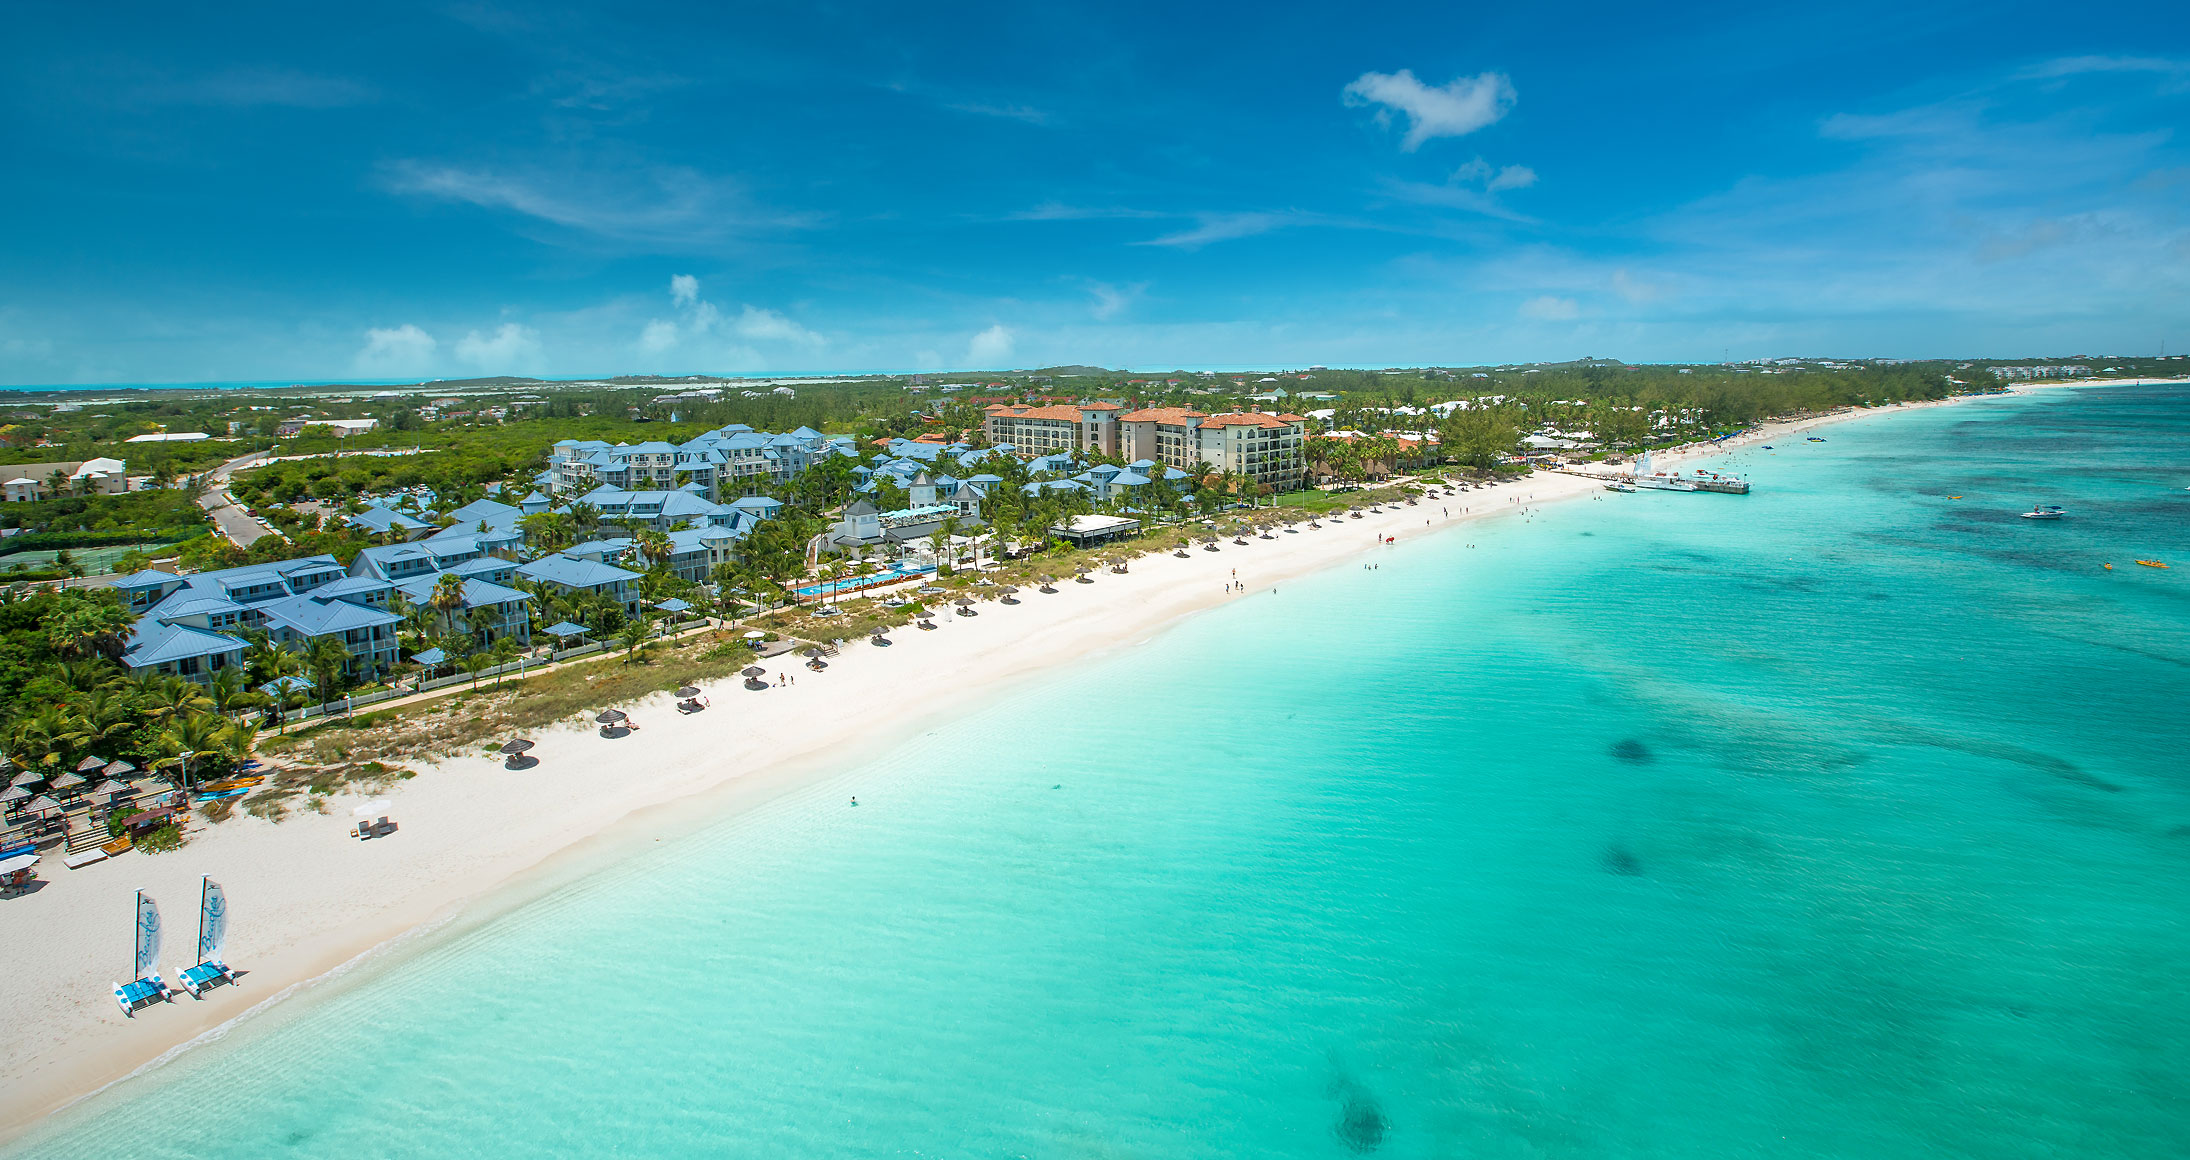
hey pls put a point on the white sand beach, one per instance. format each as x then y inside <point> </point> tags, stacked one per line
<point>475,837</point>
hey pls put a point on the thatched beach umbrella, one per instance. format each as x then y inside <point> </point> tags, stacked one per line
<point>13,793</point>
<point>41,803</point>
<point>810,652</point>
<point>608,716</point>
<point>514,746</point>
<point>110,787</point>
<point>689,691</point>
<point>27,777</point>
<point>963,602</point>
<point>118,768</point>
<point>67,781</point>
<point>91,765</point>
<point>754,672</point>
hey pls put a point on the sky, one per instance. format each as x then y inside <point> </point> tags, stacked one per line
<point>307,192</point>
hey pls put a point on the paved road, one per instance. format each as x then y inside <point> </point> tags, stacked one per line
<point>238,525</point>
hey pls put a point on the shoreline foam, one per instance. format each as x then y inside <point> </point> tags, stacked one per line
<point>314,905</point>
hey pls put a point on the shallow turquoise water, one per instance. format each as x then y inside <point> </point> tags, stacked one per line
<point>1843,819</point>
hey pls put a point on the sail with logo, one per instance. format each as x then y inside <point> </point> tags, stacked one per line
<point>145,986</point>
<point>211,968</point>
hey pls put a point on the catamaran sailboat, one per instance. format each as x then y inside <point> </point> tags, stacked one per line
<point>212,937</point>
<point>144,987</point>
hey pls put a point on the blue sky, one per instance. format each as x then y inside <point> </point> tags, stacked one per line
<point>296,192</point>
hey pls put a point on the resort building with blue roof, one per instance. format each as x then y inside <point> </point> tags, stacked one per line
<point>193,626</point>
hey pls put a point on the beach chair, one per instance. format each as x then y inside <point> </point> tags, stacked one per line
<point>140,993</point>
<point>208,974</point>
<point>364,829</point>
<point>383,828</point>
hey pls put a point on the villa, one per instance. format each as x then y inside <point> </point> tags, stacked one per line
<point>728,461</point>
<point>191,626</point>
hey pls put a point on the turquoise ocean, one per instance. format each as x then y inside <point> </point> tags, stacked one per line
<point>1843,819</point>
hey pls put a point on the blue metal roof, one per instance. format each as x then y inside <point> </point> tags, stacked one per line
<point>574,573</point>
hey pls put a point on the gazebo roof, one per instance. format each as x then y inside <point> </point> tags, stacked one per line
<point>566,628</point>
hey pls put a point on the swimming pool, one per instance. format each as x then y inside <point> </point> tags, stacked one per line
<point>853,584</point>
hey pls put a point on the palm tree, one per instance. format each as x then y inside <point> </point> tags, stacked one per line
<point>447,599</point>
<point>655,546</point>
<point>326,658</point>
<point>170,698</point>
<point>501,652</point>
<point>186,739</point>
<point>229,691</point>
<point>41,736</point>
<point>86,674</point>
<point>90,628</point>
<point>633,635</point>
<point>101,715</point>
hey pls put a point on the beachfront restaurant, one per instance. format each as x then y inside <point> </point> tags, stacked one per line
<point>1093,529</point>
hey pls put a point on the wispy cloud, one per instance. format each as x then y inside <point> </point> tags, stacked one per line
<point>1225,227</point>
<point>1451,110</point>
<point>2075,65</point>
<point>672,208</point>
<point>1112,301</point>
<point>1009,112</point>
<point>1550,308</point>
<point>1451,196</point>
<point>243,88</point>
<point>1050,211</point>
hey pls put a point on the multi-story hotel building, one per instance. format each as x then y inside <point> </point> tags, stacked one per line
<point>1265,448</point>
<point>1090,427</point>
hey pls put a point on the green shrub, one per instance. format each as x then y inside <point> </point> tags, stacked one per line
<point>161,839</point>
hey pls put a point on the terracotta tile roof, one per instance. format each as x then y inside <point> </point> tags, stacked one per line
<point>1243,419</point>
<point>1100,407</point>
<point>1175,416</point>
<point>1065,414</point>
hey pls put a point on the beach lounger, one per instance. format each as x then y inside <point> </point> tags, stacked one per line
<point>204,975</point>
<point>383,828</point>
<point>364,830</point>
<point>141,993</point>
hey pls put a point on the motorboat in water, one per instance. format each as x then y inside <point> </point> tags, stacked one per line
<point>1619,485</point>
<point>2045,512</point>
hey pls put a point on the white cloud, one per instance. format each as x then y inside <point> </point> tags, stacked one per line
<point>1455,110</point>
<point>397,350</point>
<point>701,320</point>
<point>1223,227</point>
<point>1009,112</point>
<point>1551,308</point>
<point>990,349</point>
<point>2075,65</point>
<point>511,349</point>
<point>769,326</point>
<point>1512,177</point>
<point>1111,301</point>
<point>660,336</point>
<point>669,209</point>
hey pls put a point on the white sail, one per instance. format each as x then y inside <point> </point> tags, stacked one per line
<point>148,937</point>
<point>212,923</point>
